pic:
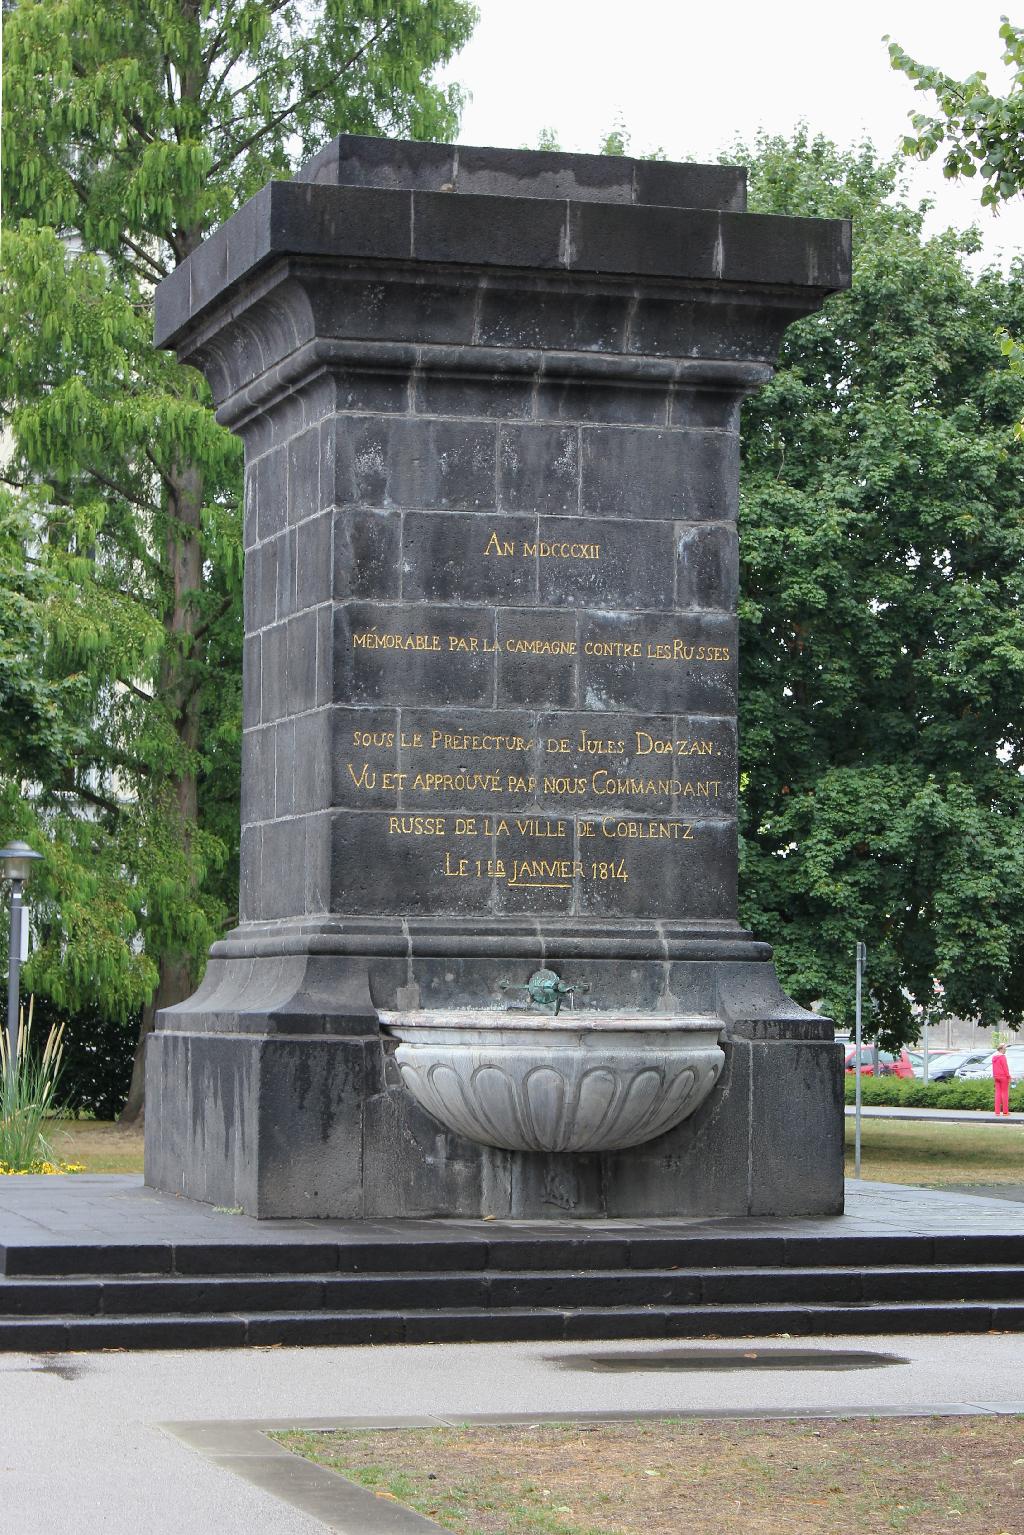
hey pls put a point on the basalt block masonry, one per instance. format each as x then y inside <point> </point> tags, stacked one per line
<point>490,405</point>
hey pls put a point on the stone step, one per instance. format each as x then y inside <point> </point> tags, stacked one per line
<point>501,1252</point>
<point>146,1296</point>
<point>465,1325</point>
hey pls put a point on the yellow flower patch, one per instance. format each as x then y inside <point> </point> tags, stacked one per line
<point>41,1167</point>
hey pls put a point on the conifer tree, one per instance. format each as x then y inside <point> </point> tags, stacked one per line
<point>130,131</point>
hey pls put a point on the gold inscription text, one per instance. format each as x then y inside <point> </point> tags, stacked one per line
<point>541,549</point>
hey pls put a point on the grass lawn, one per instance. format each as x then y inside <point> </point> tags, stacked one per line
<point>808,1477</point>
<point>921,1151</point>
<point>101,1145</point>
<point>908,1151</point>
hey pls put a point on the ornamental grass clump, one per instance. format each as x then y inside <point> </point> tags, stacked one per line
<point>28,1085</point>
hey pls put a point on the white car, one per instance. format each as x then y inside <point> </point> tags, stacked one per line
<point>982,1070</point>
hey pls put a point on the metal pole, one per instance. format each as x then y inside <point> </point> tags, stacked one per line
<point>925,1077</point>
<point>14,976</point>
<point>861,957</point>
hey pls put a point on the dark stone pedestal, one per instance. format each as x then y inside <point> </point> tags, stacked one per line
<point>490,407</point>
<point>272,1089</point>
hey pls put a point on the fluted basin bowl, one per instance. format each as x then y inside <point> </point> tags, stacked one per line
<point>576,1082</point>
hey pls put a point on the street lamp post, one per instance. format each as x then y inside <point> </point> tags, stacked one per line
<point>862,963</point>
<point>16,860</point>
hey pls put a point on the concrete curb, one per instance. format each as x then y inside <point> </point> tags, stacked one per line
<point>246,1450</point>
<point>937,1116</point>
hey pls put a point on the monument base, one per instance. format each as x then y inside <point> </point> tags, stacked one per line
<point>275,1091</point>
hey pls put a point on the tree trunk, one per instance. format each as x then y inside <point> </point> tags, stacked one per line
<point>175,983</point>
<point>177,687</point>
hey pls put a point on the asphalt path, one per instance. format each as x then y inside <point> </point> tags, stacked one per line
<point>938,1116</point>
<point>82,1440</point>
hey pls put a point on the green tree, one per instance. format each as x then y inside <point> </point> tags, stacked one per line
<point>130,131</point>
<point>977,131</point>
<point>979,134</point>
<point>616,140</point>
<point>882,547</point>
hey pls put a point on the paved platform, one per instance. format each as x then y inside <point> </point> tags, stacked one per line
<point>134,1454</point>
<point>111,1210</point>
<point>92,1264</point>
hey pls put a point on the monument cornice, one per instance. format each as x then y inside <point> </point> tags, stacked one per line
<point>300,317</point>
<point>323,356</point>
<point>472,232</point>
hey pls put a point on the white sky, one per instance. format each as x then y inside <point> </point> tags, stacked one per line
<point>688,77</point>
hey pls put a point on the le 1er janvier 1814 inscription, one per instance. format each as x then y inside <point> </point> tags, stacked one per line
<point>598,842</point>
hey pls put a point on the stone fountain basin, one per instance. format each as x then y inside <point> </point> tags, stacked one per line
<point>577,1082</point>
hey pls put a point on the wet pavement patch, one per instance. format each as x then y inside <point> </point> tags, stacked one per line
<point>49,1364</point>
<point>729,1359</point>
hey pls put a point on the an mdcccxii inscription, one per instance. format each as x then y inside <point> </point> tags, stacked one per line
<point>536,719</point>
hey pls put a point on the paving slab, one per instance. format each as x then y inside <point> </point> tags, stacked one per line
<point>111,1210</point>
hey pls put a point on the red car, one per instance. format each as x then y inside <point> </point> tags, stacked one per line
<point>887,1064</point>
<point>903,1066</point>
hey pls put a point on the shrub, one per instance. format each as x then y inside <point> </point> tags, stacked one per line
<point>913,1093</point>
<point>883,1090</point>
<point>98,1055</point>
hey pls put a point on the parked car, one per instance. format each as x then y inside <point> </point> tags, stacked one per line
<point>980,1070</point>
<point>943,1068</point>
<point>886,1061</point>
<point>903,1066</point>
<point>917,1061</point>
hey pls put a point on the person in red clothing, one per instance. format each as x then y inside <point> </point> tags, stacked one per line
<point>1001,1077</point>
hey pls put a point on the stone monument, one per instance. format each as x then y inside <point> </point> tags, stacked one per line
<point>488,960</point>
